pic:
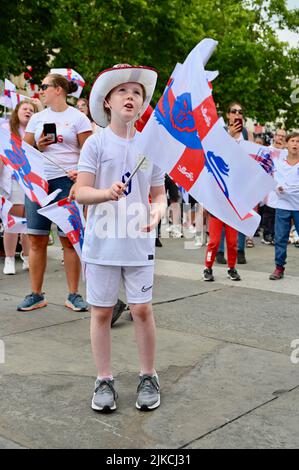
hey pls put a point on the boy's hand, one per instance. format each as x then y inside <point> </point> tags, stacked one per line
<point>155,216</point>
<point>280,190</point>
<point>116,191</point>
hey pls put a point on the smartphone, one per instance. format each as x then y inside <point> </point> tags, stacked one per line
<point>50,131</point>
<point>239,121</point>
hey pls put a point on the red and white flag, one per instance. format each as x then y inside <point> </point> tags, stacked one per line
<point>262,154</point>
<point>11,97</point>
<point>67,215</point>
<point>185,138</point>
<point>72,75</point>
<point>11,223</point>
<point>26,164</point>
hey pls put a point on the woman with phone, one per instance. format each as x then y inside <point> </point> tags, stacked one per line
<point>59,131</point>
<point>237,130</point>
<point>17,125</point>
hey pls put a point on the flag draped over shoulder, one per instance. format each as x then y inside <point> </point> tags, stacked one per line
<point>69,217</point>
<point>185,138</point>
<point>26,164</point>
<point>11,223</point>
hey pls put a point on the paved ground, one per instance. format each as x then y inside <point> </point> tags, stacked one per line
<point>223,360</point>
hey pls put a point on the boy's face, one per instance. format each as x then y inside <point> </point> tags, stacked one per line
<point>125,101</point>
<point>293,146</point>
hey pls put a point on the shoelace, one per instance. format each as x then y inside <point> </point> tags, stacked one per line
<point>103,386</point>
<point>148,383</point>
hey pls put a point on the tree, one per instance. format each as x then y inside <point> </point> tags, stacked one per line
<point>255,67</point>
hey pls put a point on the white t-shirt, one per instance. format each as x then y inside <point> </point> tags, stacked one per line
<point>285,175</point>
<point>66,151</point>
<point>112,234</point>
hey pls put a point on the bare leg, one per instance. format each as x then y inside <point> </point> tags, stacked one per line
<point>37,261</point>
<point>25,244</point>
<point>72,265</point>
<point>10,242</point>
<point>11,239</point>
<point>145,333</point>
<point>100,327</point>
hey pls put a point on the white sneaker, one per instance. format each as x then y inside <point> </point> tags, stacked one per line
<point>9,265</point>
<point>192,229</point>
<point>176,231</point>
<point>198,241</point>
<point>25,266</point>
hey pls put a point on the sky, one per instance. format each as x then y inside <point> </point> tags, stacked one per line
<point>286,35</point>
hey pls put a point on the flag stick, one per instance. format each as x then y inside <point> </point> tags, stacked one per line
<point>134,171</point>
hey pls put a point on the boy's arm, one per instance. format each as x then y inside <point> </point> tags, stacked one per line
<point>86,193</point>
<point>158,207</point>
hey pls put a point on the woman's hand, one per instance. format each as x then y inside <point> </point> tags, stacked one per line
<point>72,193</point>
<point>234,129</point>
<point>72,174</point>
<point>43,143</point>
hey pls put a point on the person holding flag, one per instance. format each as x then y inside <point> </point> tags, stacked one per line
<point>61,149</point>
<point>16,125</point>
<point>108,184</point>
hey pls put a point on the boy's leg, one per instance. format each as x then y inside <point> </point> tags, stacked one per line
<point>102,286</point>
<point>282,230</point>
<point>138,284</point>
<point>145,333</point>
<point>100,327</point>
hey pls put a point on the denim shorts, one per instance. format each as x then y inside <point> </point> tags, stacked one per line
<point>38,224</point>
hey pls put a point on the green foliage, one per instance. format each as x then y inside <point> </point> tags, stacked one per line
<point>255,67</point>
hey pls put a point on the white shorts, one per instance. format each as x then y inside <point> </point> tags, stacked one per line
<point>17,195</point>
<point>103,282</point>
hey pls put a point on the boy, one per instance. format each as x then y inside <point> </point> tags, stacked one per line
<point>285,200</point>
<point>113,247</point>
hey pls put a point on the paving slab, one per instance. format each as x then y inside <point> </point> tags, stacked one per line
<point>273,426</point>
<point>211,384</point>
<point>238,315</point>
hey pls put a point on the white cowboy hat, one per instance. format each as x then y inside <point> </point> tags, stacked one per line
<point>110,78</point>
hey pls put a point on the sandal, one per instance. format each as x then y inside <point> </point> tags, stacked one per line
<point>249,243</point>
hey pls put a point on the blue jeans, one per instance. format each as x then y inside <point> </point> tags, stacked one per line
<point>241,241</point>
<point>282,231</point>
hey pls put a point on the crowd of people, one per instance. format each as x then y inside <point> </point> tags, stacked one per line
<point>90,157</point>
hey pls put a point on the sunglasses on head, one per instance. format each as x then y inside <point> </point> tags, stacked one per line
<point>235,111</point>
<point>45,86</point>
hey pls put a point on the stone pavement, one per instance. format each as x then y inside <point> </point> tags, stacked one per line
<point>223,358</point>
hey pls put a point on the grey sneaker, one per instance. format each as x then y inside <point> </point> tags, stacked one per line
<point>117,311</point>
<point>76,303</point>
<point>148,393</point>
<point>208,274</point>
<point>31,302</point>
<point>105,396</point>
<point>233,274</point>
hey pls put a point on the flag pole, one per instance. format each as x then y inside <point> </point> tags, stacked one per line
<point>134,171</point>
